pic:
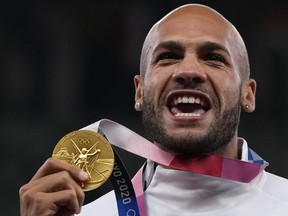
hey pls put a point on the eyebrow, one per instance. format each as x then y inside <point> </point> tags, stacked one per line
<point>211,46</point>
<point>202,46</point>
<point>169,45</point>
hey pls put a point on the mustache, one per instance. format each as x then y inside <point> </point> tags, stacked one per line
<point>192,86</point>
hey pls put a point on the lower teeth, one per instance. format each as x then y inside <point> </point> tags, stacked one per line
<point>187,114</point>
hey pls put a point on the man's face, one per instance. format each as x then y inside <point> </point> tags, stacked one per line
<point>191,91</point>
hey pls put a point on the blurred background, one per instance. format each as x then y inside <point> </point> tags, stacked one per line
<point>66,64</point>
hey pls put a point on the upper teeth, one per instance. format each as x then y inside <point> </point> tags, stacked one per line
<point>185,99</point>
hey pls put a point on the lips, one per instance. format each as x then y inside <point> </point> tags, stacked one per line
<point>188,103</point>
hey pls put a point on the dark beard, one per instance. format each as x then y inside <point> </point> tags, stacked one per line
<point>220,133</point>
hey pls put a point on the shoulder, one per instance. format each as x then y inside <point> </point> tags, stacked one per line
<point>275,186</point>
<point>106,203</point>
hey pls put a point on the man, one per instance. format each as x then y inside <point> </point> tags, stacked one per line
<point>194,80</point>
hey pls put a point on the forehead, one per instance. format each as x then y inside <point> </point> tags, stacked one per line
<point>192,24</point>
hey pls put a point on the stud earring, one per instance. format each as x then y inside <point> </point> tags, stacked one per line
<point>247,107</point>
<point>137,106</point>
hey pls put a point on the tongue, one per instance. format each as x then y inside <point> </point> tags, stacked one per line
<point>175,110</point>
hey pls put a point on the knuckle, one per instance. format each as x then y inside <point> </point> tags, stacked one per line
<point>64,176</point>
<point>25,194</point>
<point>50,162</point>
<point>22,190</point>
<point>72,194</point>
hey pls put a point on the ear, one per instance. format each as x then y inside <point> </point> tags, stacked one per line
<point>248,95</point>
<point>138,83</point>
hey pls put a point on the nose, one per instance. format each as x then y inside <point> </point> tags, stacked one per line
<point>190,71</point>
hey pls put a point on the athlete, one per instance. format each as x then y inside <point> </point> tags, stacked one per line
<point>194,82</point>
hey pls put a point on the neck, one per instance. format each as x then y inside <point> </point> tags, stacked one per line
<point>231,150</point>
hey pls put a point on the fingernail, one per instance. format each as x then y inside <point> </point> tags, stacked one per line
<point>83,176</point>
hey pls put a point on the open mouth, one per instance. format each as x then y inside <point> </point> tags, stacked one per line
<point>188,104</point>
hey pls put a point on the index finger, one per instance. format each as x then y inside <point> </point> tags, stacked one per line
<point>53,166</point>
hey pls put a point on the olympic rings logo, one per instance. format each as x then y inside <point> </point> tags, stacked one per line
<point>84,140</point>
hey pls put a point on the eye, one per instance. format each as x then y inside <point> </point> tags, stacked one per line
<point>215,57</point>
<point>167,56</point>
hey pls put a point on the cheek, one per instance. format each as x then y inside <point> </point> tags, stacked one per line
<point>228,90</point>
<point>151,89</point>
<point>231,94</point>
<point>155,85</point>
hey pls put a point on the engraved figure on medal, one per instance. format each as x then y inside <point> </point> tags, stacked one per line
<point>86,158</point>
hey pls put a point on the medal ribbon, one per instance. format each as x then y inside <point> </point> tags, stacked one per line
<point>126,199</point>
<point>211,165</point>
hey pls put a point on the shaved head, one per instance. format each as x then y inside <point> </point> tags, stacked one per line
<point>188,13</point>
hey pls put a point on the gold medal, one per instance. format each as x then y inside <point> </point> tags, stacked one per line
<point>89,151</point>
